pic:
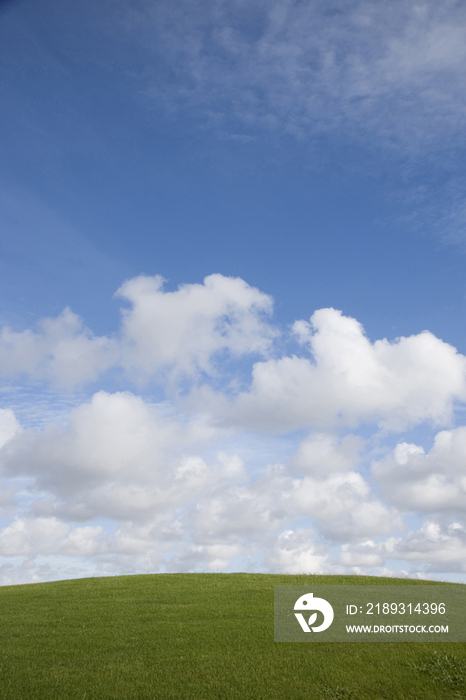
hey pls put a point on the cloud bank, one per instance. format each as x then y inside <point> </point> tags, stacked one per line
<point>191,335</point>
<point>127,484</point>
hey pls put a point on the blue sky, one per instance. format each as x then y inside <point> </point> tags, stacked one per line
<point>273,162</point>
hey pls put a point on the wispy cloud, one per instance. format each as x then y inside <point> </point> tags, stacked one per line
<point>390,72</point>
<point>381,82</point>
<point>358,81</point>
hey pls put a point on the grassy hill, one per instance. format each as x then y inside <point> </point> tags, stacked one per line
<point>202,636</point>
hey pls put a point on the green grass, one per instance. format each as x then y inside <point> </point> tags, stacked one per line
<point>203,636</point>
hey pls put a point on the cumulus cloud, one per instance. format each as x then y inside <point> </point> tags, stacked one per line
<point>343,507</point>
<point>430,483</point>
<point>441,547</point>
<point>9,425</point>
<point>121,460</point>
<point>297,552</point>
<point>62,351</point>
<point>82,542</point>
<point>322,453</point>
<point>349,380</point>
<point>196,332</point>
<point>435,548</point>
<point>163,334</point>
<point>117,457</point>
<point>30,571</point>
<point>126,485</point>
<point>31,536</point>
<point>182,331</point>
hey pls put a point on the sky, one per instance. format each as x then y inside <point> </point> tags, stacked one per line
<point>232,288</point>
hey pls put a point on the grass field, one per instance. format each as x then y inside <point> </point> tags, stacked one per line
<point>203,636</point>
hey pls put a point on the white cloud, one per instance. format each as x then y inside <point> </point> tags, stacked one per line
<point>431,483</point>
<point>437,547</point>
<point>213,557</point>
<point>8,506</point>
<point>62,351</point>
<point>82,541</point>
<point>350,380</point>
<point>343,507</point>
<point>117,458</point>
<point>120,460</point>
<point>31,536</point>
<point>249,513</point>
<point>440,546</point>
<point>321,453</point>
<point>32,571</point>
<point>123,485</point>
<point>183,331</point>
<point>365,554</point>
<point>297,552</point>
<point>9,425</point>
<point>169,335</point>
<point>196,332</point>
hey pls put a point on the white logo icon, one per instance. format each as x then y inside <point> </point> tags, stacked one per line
<point>308,602</point>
